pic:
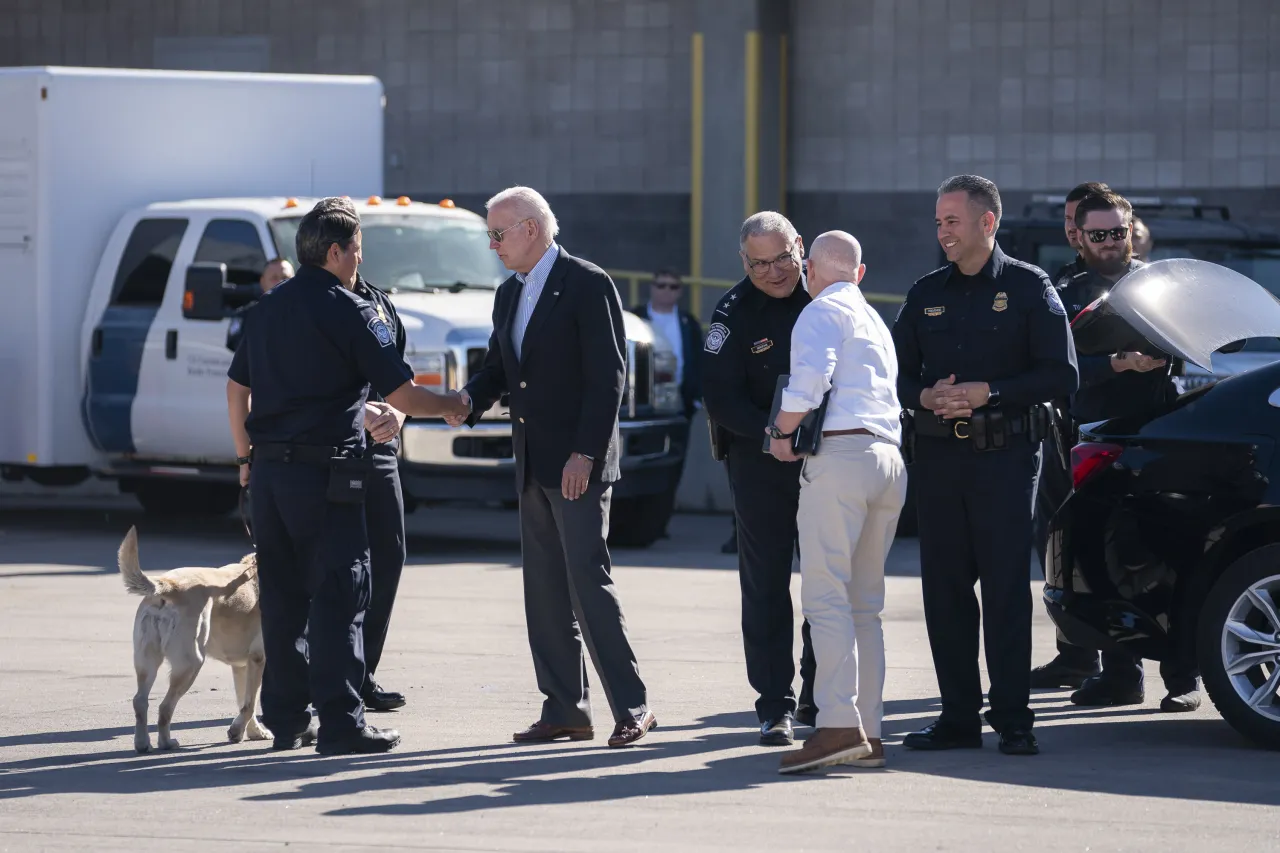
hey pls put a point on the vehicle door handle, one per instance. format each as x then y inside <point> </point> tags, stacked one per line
<point>171,344</point>
<point>97,343</point>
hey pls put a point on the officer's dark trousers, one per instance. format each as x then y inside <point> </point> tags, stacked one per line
<point>766,497</point>
<point>313,573</point>
<point>975,525</point>
<point>384,518</point>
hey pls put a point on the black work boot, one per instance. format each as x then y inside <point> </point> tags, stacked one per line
<point>1101,691</point>
<point>1063,672</point>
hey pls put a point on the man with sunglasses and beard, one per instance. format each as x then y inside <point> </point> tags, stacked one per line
<point>1115,386</point>
<point>747,348</point>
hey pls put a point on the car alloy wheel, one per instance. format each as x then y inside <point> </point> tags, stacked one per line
<point>1251,646</point>
<point>1238,645</point>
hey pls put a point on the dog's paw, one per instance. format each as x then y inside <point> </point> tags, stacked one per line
<point>257,731</point>
<point>235,734</point>
<point>168,743</point>
<point>142,747</point>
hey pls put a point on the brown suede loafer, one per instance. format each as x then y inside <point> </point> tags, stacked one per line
<point>541,732</point>
<point>826,747</point>
<point>628,732</point>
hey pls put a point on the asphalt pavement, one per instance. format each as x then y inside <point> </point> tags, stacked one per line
<point>1130,779</point>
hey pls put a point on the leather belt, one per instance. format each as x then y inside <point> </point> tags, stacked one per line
<point>835,432</point>
<point>306,454</point>
<point>928,425</point>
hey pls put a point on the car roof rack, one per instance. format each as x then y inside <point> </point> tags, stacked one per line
<point>1177,207</point>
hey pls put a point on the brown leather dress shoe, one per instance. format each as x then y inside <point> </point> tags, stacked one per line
<point>628,732</point>
<point>541,732</point>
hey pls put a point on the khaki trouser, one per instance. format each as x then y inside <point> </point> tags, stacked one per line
<point>851,495</point>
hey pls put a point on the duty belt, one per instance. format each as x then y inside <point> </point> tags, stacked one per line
<point>988,429</point>
<point>306,454</point>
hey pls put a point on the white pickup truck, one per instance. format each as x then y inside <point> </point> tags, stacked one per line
<point>123,272</point>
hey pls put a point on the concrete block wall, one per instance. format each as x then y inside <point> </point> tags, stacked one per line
<point>891,97</point>
<point>587,100</point>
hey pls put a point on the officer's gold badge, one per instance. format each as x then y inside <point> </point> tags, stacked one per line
<point>1001,303</point>
<point>934,312</point>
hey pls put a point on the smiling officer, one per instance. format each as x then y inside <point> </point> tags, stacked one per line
<point>981,344</point>
<point>748,346</point>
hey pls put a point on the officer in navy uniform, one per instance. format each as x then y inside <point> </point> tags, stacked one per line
<point>1117,386</point>
<point>309,357</point>
<point>273,273</point>
<point>1053,483</point>
<point>982,343</point>
<point>384,516</point>
<point>748,346</point>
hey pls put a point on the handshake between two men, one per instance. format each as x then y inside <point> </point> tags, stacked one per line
<point>384,423</point>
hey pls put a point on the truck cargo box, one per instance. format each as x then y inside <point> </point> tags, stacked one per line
<point>81,146</point>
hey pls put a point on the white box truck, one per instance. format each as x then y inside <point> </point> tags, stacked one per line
<point>124,194</point>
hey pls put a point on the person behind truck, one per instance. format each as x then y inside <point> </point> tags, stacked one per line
<point>1115,386</point>
<point>275,272</point>
<point>683,331</point>
<point>308,359</point>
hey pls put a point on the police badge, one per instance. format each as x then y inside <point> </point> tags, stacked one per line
<point>1001,302</point>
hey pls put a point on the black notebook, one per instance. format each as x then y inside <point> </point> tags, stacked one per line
<point>807,437</point>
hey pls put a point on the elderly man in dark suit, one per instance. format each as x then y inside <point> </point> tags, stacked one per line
<point>559,350</point>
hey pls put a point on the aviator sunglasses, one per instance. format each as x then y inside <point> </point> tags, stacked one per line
<point>1117,234</point>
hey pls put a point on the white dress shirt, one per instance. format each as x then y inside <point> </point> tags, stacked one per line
<point>841,344</point>
<point>668,325</point>
<point>533,284</point>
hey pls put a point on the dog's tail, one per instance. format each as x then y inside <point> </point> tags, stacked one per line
<point>131,571</point>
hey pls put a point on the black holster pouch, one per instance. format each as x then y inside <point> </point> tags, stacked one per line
<point>908,436</point>
<point>349,478</point>
<point>988,430</point>
<point>719,441</point>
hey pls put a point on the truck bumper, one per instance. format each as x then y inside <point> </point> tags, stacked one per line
<point>439,462</point>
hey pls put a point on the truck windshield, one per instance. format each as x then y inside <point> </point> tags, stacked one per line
<point>412,252</point>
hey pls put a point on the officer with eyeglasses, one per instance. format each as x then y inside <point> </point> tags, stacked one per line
<point>748,346</point>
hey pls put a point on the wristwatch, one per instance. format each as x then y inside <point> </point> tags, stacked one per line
<point>993,397</point>
<point>243,460</point>
<point>774,432</point>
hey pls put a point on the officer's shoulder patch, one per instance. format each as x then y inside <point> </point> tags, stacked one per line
<point>716,336</point>
<point>380,331</point>
<point>1053,301</point>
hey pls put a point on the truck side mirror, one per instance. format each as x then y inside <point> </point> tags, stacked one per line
<point>203,298</point>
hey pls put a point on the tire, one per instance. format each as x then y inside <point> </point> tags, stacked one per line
<point>1230,601</point>
<point>638,522</point>
<point>171,499</point>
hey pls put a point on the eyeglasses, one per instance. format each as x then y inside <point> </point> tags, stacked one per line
<point>496,236</point>
<point>785,261</point>
<point>1100,235</point>
<point>666,285</point>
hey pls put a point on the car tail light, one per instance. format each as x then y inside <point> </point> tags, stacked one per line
<point>1090,457</point>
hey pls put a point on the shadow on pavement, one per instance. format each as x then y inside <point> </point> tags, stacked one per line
<point>1183,758</point>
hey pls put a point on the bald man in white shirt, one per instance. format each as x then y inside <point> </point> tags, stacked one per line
<point>851,494</point>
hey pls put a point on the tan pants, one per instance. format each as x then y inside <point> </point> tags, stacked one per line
<point>851,495</point>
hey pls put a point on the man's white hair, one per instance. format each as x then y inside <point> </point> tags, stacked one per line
<point>838,253</point>
<point>529,203</point>
<point>766,222</point>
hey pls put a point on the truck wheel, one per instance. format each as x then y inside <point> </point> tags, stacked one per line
<point>1238,646</point>
<point>640,521</point>
<point>178,498</point>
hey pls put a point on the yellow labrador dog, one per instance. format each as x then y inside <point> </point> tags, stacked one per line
<point>185,616</point>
